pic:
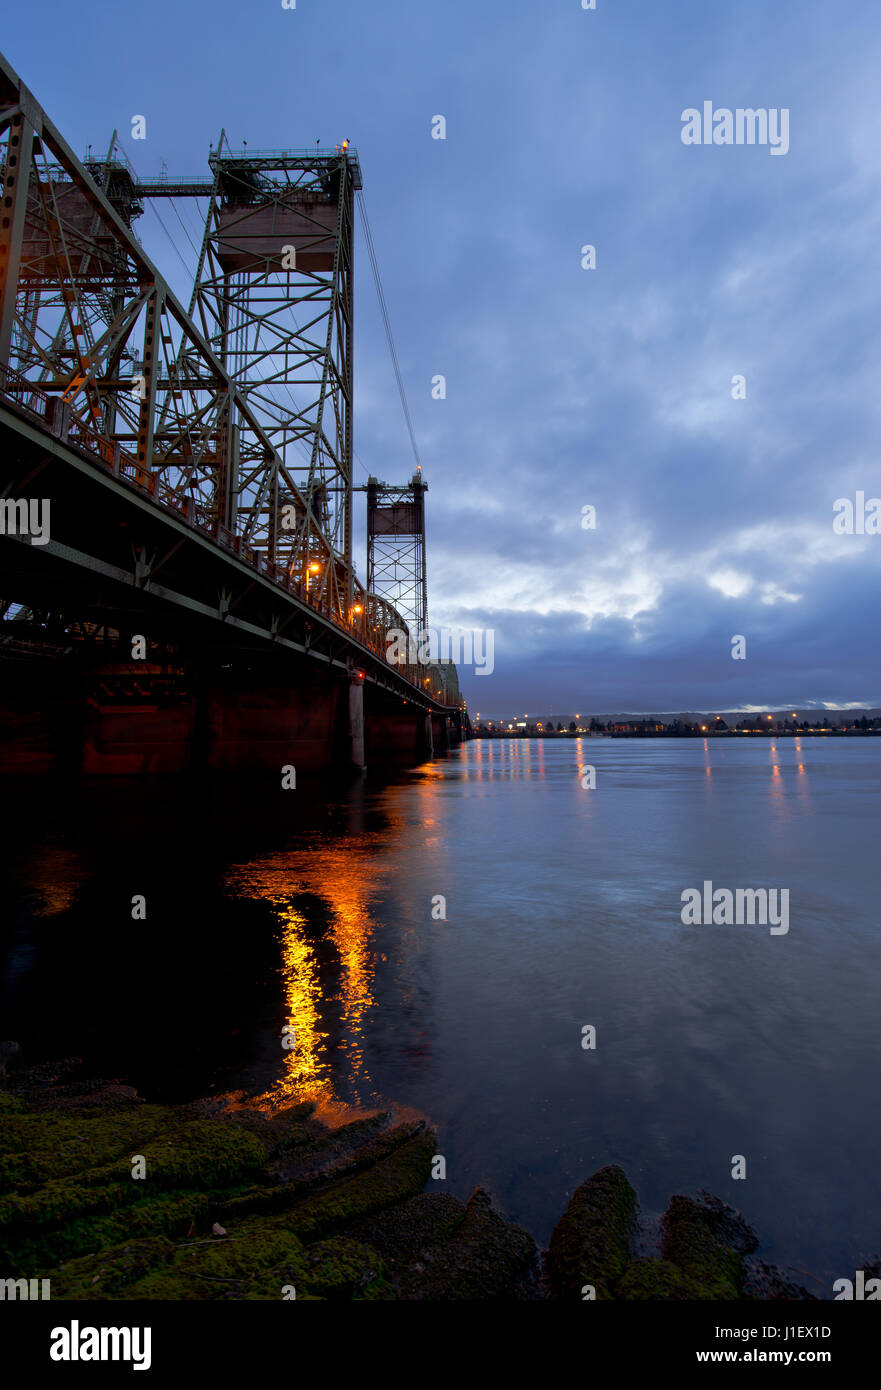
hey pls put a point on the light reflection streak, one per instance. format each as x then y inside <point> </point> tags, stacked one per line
<point>344,879</point>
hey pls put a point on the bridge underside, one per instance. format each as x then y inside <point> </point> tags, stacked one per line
<point>237,674</point>
<point>79,713</point>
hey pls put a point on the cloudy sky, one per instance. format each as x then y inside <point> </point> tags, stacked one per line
<point>567,387</point>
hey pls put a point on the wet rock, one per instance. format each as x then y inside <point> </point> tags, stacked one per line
<point>302,1155</point>
<point>592,1243</point>
<point>767,1282</point>
<point>108,1273</point>
<point>485,1257</point>
<point>203,1155</point>
<point>256,1263</point>
<point>401,1172</point>
<point>342,1268</point>
<point>651,1280</point>
<point>706,1239</point>
<point>38,1083</point>
<point>405,1233</point>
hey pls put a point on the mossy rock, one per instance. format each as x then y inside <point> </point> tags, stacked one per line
<point>592,1242</point>
<point>259,1201</point>
<point>104,1205</point>
<point>707,1239</point>
<point>255,1263</point>
<point>658,1280</point>
<point>342,1268</point>
<point>409,1230</point>
<point>35,1147</point>
<point>77,1232</point>
<point>172,1214</point>
<point>203,1154</point>
<point>352,1147</point>
<point>763,1283</point>
<point>63,1199</point>
<point>336,1215</point>
<point>485,1257</point>
<point>403,1173</point>
<point>108,1273</point>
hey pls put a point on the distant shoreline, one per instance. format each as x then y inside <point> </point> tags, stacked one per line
<point>677,733</point>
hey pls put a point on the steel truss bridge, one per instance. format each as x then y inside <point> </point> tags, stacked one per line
<point>198,459</point>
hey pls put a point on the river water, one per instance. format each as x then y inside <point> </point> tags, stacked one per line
<point>319,909</point>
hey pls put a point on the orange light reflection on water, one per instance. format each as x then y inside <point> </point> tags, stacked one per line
<point>305,1065</point>
<point>343,880</point>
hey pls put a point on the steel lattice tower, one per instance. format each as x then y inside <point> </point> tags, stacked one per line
<point>396,548</point>
<point>274,298</point>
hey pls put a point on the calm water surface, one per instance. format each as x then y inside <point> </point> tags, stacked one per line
<point>314,908</point>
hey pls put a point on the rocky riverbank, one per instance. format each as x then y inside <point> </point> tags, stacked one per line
<point>240,1202</point>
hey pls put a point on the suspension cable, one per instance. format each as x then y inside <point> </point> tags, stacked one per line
<point>374,266</point>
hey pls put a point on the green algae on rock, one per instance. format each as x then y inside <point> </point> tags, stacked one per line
<point>242,1203</point>
<point>707,1240</point>
<point>591,1245</point>
<point>297,1200</point>
<point>703,1255</point>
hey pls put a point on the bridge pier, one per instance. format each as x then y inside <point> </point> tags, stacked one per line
<point>400,737</point>
<point>440,729</point>
<point>263,728</point>
<point>356,722</point>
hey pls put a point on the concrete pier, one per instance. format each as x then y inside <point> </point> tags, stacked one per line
<point>356,722</point>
